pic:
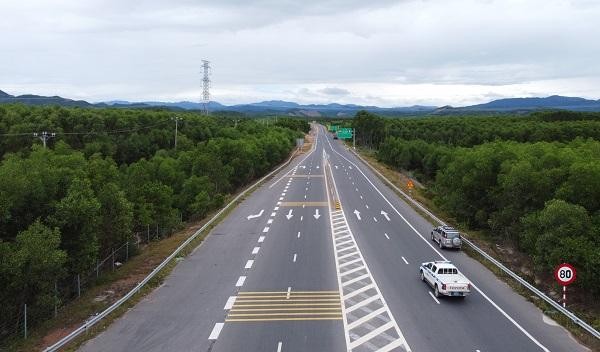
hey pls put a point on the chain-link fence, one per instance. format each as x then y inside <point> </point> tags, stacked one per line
<point>17,324</point>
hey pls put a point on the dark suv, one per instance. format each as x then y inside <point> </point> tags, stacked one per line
<point>446,237</point>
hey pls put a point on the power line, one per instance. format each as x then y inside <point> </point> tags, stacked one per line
<point>135,129</point>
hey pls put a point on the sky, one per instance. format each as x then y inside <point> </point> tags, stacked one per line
<point>385,53</point>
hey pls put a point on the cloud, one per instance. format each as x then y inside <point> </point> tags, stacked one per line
<point>334,91</point>
<point>461,50</point>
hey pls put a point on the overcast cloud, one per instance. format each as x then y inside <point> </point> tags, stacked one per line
<point>387,53</point>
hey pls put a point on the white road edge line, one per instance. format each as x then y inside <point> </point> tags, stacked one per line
<point>442,256</point>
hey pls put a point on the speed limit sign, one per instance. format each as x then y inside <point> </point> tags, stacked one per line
<point>564,274</point>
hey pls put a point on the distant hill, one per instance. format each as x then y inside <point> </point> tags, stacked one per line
<point>526,105</point>
<point>512,105</point>
<point>30,99</point>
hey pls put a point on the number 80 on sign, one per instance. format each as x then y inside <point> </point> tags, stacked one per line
<point>565,274</point>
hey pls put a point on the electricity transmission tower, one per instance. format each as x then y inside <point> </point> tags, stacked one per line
<point>176,119</point>
<point>206,85</point>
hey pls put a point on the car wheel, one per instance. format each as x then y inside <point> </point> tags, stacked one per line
<point>432,236</point>
<point>436,293</point>
<point>422,276</point>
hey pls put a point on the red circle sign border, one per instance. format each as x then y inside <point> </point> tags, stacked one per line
<point>563,265</point>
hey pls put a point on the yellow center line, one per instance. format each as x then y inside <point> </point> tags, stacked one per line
<point>282,319</point>
<point>286,305</point>
<point>283,309</point>
<point>285,292</point>
<point>288,300</point>
<point>281,314</point>
<point>291,296</point>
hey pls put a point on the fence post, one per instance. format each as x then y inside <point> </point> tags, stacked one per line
<point>127,250</point>
<point>78,286</point>
<point>25,321</point>
<point>113,259</point>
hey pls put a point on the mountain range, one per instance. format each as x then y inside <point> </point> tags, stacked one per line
<point>316,110</point>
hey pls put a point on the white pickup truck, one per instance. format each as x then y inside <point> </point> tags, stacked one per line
<point>445,279</point>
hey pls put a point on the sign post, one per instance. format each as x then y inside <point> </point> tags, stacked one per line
<point>565,274</point>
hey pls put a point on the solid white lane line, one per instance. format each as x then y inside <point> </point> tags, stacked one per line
<point>442,256</point>
<point>388,237</point>
<point>432,296</point>
<point>406,261</point>
<point>295,256</point>
<point>214,334</point>
<point>279,346</point>
<point>249,264</point>
<point>261,239</point>
<point>240,281</point>
<point>298,234</point>
<point>255,250</point>
<point>230,302</point>
<point>266,229</point>
<point>270,221</point>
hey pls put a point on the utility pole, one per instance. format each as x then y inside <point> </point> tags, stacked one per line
<point>176,119</point>
<point>235,123</point>
<point>206,85</point>
<point>44,137</point>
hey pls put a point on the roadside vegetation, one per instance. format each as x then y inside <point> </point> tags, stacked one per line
<point>105,178</point>
<point>530,183</point>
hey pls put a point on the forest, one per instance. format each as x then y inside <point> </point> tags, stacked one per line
<point>530,180</point>
<point>104,177</point>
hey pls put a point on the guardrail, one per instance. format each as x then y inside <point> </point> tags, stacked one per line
<point>65,340</point>
<point>501,266</point>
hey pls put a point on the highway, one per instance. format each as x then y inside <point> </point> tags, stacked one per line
<point>324,257</point>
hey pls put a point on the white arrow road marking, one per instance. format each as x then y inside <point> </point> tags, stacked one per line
<point>256,215</point>
<point>357,213</point>
<point>317,215</point>
<point>385,215</point>
<point>289,214</point>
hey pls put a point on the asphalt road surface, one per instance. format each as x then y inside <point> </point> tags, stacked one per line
<point>325,257</point>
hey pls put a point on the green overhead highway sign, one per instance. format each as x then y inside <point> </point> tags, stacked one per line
<point>344,133</point>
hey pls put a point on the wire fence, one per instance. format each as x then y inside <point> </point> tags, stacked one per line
<point>18,324</point>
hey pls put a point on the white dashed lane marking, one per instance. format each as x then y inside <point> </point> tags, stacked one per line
<point>255,250</point>
<point>240,281</point>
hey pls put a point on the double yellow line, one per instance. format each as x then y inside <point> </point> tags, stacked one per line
<point>282,306</point>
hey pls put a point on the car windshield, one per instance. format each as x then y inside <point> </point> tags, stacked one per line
<point>453,234</point>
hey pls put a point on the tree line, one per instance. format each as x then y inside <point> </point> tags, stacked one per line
<point>532,180</point>
<point>107,175</point>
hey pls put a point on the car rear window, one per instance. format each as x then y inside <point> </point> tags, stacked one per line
<point>452,234</point>
<point>447,271</point>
